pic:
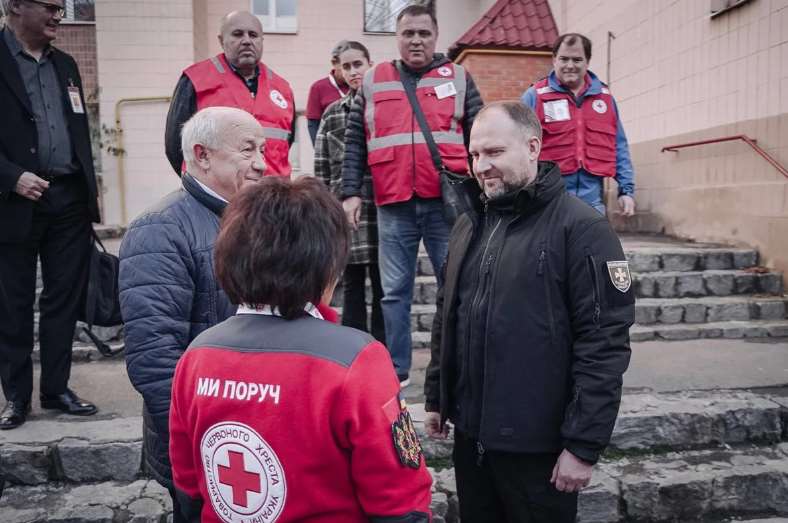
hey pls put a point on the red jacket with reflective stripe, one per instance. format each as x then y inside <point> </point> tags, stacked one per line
<point>216,85</point>
<point>587,140</point>
<point>398,158</point>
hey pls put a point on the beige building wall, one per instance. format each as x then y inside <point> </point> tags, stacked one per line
<point>141,46</point>
<point>144,45</point>
<point>680,76</point>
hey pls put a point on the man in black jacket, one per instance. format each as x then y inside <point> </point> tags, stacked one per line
<point>47,202</point>
<point>531,335</point>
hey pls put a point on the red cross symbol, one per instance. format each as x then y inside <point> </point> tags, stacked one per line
<point>239,479</point>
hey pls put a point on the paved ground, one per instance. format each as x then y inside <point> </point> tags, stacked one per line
<point>656,366</point>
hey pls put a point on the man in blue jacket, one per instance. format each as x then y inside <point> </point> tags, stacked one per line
<point>582,128</point>
<point>168,291</point>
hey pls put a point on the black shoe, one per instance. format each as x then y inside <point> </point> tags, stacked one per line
<point>14,414</point>
<point>69,403</point>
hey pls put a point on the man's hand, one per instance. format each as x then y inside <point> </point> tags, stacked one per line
<point>627,205</point>
<point>570,474</point>
<point>432,424</point>
<point>352,207</point>
<point>31,186</point>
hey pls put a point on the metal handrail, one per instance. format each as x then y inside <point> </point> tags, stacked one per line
<point>746,139</point>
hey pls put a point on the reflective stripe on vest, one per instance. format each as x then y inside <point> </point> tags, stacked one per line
<point>215,84</point>
<point>394,140</point>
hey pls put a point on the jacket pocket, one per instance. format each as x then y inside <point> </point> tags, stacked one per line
<point>543,271</point>
<point>594,278</point>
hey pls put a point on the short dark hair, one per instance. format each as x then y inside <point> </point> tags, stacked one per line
<point>282,243</point>
<point>520,114</point>
<point>571,39</point>
<point>358,46</point>
<point>418,10</point>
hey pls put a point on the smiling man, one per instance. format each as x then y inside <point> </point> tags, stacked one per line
<point>47,202</point>
<point>531,333</point>
<point>583,131</point>
<point>236,78</point>
<point>383,136</point>
<point>168,291</point>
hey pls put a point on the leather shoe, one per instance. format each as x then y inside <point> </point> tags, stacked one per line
<point>14,414</point>
<point>69,403</point>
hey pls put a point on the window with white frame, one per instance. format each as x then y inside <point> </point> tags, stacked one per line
<point>80,11</point>
<point>380,16</point>
<point>277,16</point>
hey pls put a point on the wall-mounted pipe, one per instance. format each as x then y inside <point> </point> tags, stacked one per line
<point>121,151</point>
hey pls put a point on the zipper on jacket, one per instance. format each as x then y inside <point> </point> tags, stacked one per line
<point>540,271</point>
<point>575,406</point>
<point>591,265</point>
<point>479,453</point>
<point>484,269</point>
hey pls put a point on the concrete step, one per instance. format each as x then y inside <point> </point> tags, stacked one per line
<point>85,351</point>
<point>686,284</point>
<point>663,258</point>
<point>707,485</point>
<point>721,329</point>
<point>676,421</point>
<point>649,311</point>
<point>140,501</point>
<point>80,450</point>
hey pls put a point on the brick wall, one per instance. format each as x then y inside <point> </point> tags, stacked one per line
<point>505,76</point>
<point>80,42</point>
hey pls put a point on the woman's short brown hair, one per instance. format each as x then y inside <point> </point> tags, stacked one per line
<point>281,243</point>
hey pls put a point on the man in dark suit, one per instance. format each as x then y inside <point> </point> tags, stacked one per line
<point>47,202</point>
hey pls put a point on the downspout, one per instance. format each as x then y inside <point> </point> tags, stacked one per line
<point>121,151</point>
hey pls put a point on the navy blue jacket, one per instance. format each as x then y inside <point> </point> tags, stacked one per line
<point>168,295</point>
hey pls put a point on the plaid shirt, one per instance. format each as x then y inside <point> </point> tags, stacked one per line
<point>329,154</point>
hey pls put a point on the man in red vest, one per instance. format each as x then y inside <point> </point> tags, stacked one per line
<point>236,78</point>
<point>384,136</point>
<point>582,129</point>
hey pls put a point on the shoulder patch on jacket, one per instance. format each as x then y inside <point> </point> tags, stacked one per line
<point>619,274</point>
<point>406,441</point>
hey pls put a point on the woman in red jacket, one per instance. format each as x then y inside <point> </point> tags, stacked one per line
<point>278,415</point>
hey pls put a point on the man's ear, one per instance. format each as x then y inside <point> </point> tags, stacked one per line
<point>534,148</point>
<point>202,156</point>
<point>220,37</point>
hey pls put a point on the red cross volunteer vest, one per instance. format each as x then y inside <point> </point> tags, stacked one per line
<point>397,154</point>
<point>577,137</point>
<point>216,85</point>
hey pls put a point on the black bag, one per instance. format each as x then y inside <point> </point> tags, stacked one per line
<point>102,297</point>
<point>456,200</point>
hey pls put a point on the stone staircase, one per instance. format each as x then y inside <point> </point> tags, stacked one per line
<point>711,456</point>
<point>687,456</point>
<point>684,291</point>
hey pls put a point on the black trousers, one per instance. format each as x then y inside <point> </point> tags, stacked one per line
<point>508,487</point>
<point>60,236</point>
<point>354,306</point>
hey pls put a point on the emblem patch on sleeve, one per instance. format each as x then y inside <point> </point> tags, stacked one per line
<point>620,275</point>
<point>406,441</point>
<point>243,474</point>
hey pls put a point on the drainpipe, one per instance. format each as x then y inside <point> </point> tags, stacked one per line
<point>119,143</point>
<point>610,38</point>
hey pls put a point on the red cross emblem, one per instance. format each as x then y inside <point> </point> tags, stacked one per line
<point>236,477</point>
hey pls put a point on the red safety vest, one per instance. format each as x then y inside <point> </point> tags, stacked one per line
<point>217,85</point>
<point>398,157</point>
<point>577,137</point>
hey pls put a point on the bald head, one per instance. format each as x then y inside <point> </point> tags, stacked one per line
<point>241,38</point>
<point>223,148</point>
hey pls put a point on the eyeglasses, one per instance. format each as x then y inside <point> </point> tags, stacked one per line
<point>52,9</point>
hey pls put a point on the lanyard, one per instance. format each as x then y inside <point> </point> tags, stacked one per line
<point>334,83</point>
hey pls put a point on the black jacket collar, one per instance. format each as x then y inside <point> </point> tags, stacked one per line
<point>191,186</point>
<point>546,187</point>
